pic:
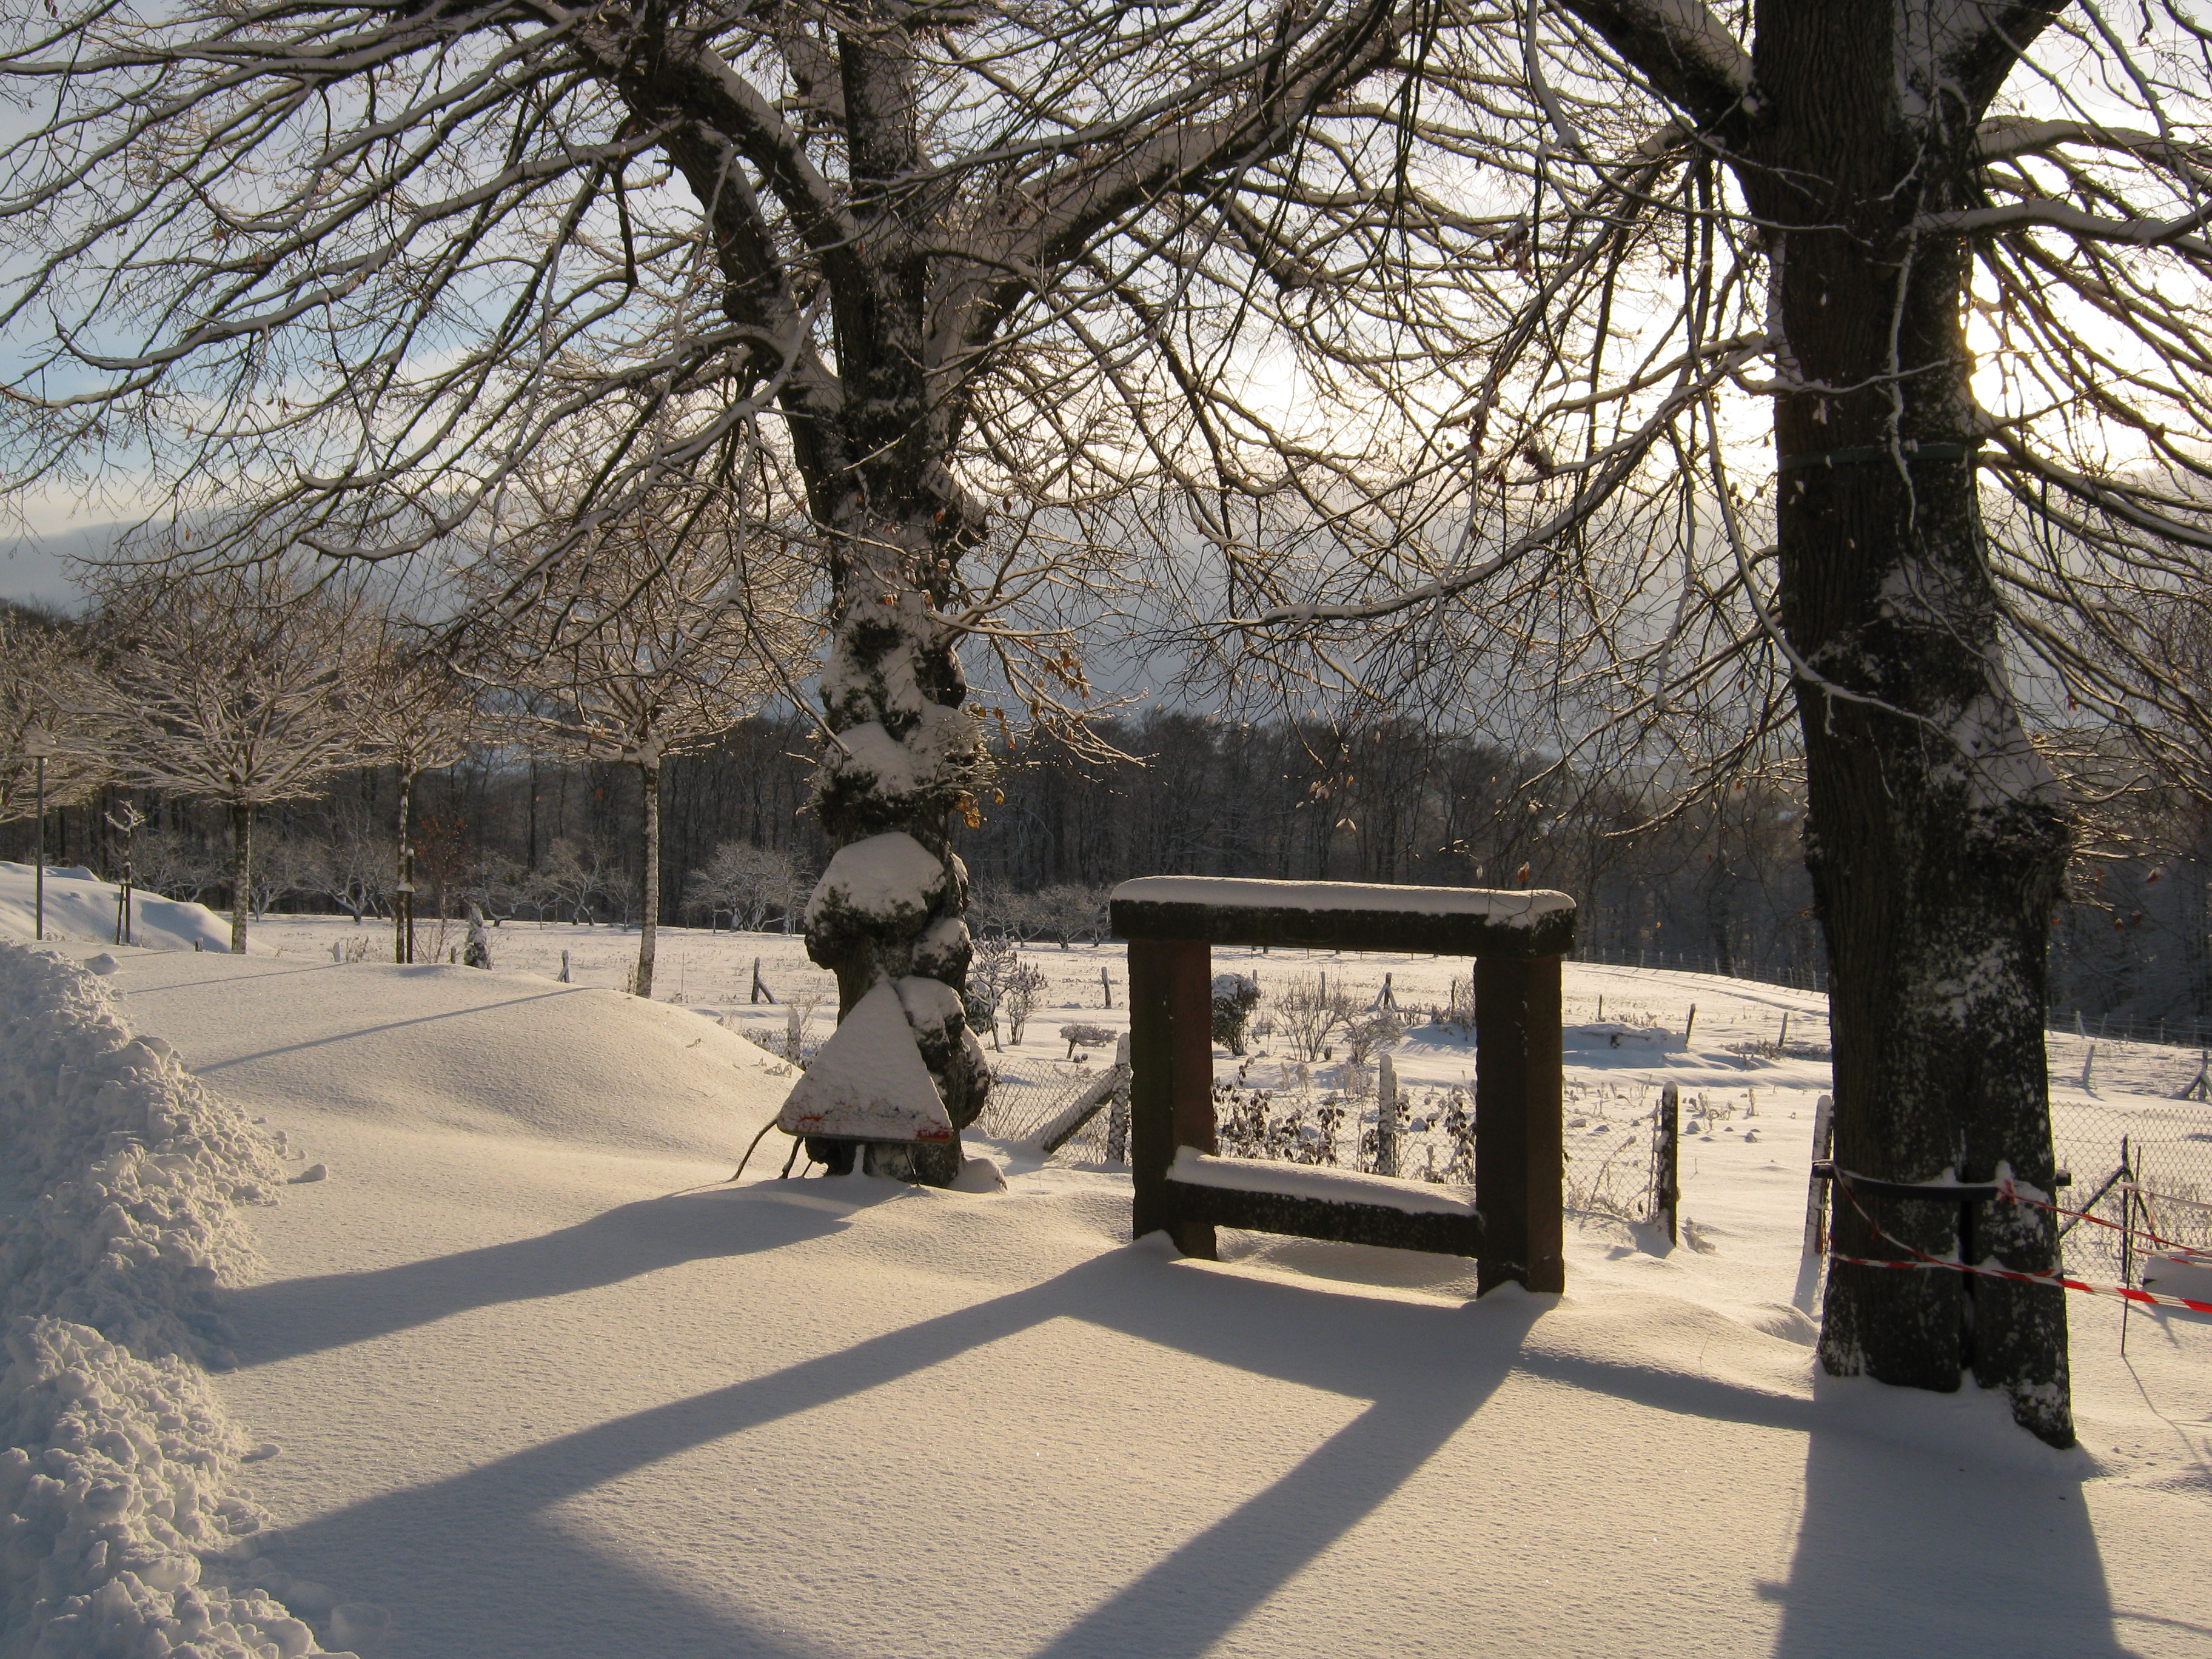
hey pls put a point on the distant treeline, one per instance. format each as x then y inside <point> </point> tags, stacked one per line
<point>1719,883</point>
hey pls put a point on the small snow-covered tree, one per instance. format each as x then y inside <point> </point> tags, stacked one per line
<point>652,637</point>
<point>750,883</point>
<point>228,687</point>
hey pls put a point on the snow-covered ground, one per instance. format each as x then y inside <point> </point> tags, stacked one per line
<point>523,1374</point>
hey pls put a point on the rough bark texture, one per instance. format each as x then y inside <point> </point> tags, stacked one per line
<point>1936,840</point>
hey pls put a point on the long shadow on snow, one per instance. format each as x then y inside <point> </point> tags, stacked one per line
<point>522,1584</point>
<point>1902,1550</point>
<point>353,1032</point>
<point>289,1317</point>
<point>1873,1574</point>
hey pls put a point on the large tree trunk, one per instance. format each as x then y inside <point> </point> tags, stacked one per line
<point>241,872</point>
<point>903,758</point>
<point>648,888</point>
<point>1936,837</point>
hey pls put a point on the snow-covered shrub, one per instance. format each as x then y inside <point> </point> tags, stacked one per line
<point>1235,996</point>
<point>1025,983</point>
<point>477,952</point>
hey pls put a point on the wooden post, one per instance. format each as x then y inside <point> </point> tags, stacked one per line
<point>1519,1150</point>
<point>1172,1079</point>
<point>1667,1163</point>
<point>1386,1117</point>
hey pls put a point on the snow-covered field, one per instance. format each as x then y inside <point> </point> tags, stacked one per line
<point>522,1373</point>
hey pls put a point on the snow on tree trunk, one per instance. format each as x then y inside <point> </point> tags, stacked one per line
<point>903,758</point>
<point>1935,838</point>
<point>241,872</point>
<point>648,889</point>
<point>902,755</point>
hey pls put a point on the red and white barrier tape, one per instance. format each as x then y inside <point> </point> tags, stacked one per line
<point>2126,1293</point>
<point>2007,1190</point>
<point>1924,1262</point>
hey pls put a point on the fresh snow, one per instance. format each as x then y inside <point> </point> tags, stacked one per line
<point>881,876</point>
<point>81,905</point>
<point>1517,906</point>
<point>525,1375</point>
<point>1245,1175</point>
<point>868,1082</point>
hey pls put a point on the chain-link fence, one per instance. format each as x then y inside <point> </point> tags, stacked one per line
<point>1028,1096</point>
<point>2166,1147</point>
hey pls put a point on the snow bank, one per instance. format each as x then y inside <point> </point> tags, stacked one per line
<point>81,905</point>
<point>124,1179</point>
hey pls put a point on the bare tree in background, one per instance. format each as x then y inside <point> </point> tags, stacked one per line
<point>654,638</point>
<point>229,687</point>
<point>45,698</point>
<point>414,713</point>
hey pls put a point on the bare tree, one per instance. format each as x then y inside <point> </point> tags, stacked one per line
<point>413,713</point>
<point>228,687</point>
<point>1951,254</point>
<point>953,282</point>
<point>748,883</point>
<point>655,637</point>
<point>46,696</point>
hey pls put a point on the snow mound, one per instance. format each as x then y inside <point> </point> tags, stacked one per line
<point>81,905</point>
<point>444,1047</point>
<point>124,1177</point>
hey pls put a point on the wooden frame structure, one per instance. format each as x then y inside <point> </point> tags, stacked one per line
<point>1516,940</point>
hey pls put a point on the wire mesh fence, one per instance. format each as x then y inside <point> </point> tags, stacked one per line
<point>2167,1145</point>
<point>1028,1096</point>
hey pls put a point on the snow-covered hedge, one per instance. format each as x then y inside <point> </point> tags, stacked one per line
<point>123,1180</point>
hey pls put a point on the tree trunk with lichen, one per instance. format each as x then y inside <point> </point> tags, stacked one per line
<point>1936,837</point>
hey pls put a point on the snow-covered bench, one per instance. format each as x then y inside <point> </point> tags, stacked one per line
<point>1518,939</point>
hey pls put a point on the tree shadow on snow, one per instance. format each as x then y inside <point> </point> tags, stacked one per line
<point>1912,1549</point>
<point>289,1317</point>
<point>1890,1559</point>
<point>526,1586</point>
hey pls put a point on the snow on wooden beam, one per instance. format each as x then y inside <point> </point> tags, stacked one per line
<point>1341,915</point>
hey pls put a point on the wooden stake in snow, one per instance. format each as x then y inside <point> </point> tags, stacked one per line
<point>1106,986</point>
<point>2089,1071</point>
<point>1690,1025</point>
<point>1783,1040</point>
<point>1667,1160</point>
<point>1386,1116</point>
<point>1815,1256</point>
<point>761,993</point>
<point>565,979</point>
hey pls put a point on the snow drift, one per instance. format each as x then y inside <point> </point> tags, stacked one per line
<point>125,1182</point>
